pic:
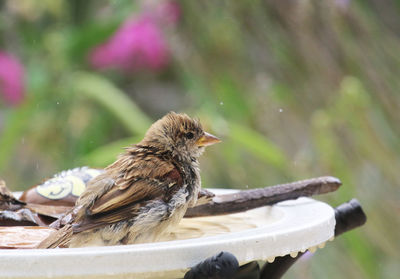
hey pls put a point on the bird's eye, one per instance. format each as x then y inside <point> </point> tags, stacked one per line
<point>189,135</point>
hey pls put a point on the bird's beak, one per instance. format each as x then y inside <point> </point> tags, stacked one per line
<point>207,139</point>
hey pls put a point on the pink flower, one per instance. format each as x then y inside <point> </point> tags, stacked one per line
<point>11,79</point>
<point>139,43</point>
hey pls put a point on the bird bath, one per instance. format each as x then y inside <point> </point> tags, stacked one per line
<point>264,233</point>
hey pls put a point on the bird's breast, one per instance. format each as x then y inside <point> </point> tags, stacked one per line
<point>193,184</point>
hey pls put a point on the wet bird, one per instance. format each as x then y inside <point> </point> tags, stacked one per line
<point>144,193</point>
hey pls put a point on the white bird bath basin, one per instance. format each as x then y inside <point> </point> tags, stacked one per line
<point>259,234</point>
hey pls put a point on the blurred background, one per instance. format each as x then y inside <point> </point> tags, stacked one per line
<point>296,89</point>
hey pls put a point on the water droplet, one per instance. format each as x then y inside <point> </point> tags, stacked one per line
<point>280,110</point>
<point>221,103</point>
<point>312,249</point>
<point>294,254</point>
<point>58,103</point>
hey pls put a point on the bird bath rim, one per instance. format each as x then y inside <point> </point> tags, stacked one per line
<point>303,223</point>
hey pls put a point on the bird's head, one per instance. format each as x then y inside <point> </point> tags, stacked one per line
<point>183,136</point>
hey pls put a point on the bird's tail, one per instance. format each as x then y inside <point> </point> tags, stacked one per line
<point>59,238</point>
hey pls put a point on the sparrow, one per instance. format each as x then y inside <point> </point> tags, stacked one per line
<point>144,193</point>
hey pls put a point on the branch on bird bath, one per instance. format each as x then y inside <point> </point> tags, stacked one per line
<point>249,199</point>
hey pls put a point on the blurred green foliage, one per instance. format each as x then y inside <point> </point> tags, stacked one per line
<point>295,89</point>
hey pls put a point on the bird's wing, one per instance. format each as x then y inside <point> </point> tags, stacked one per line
<point>59,238</point>
<point>141,189</point>
<point>122,203</point>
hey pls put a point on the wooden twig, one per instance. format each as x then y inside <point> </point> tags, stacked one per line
<point>249,199</point>
<point>7,199</point>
